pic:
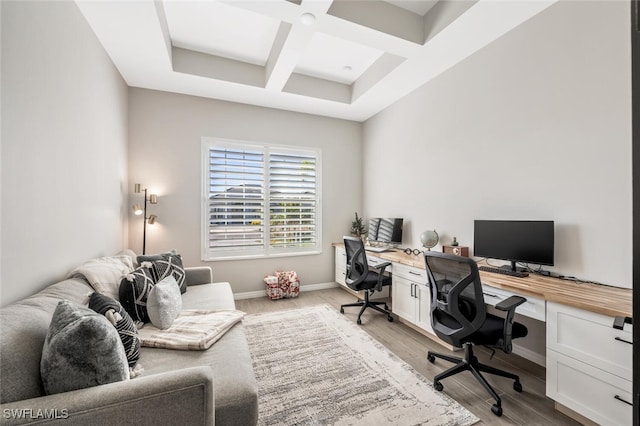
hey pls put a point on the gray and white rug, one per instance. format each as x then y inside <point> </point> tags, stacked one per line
<point>314,367</point>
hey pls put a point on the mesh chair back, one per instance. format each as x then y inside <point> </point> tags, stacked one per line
<point>357,267</point>
<point>457,305</point>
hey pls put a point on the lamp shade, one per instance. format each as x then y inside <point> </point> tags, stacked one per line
<point>152,219</point>
<point>137,210</point>
<point>153,198</point>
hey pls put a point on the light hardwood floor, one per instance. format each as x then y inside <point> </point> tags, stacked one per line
<point>531,407</point>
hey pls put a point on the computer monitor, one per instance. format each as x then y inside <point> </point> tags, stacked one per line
<point>385,230</point>
<point>525,241</point>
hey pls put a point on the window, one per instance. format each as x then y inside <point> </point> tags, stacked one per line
<point>260,200</point>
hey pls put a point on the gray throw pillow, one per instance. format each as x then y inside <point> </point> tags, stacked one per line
<point>82,349</point>
<point>164,303</point>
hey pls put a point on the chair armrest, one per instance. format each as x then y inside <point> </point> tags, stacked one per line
<point>508,305</point>
<point>183,396</point>
<point>382,266</point>
<point>380,269</point>
<point>197,275</point>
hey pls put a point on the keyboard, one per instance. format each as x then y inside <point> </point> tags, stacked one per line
<point>519,274</point>
<point>376,249</point>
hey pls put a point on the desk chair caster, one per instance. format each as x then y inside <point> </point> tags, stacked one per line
<point>364,304</point>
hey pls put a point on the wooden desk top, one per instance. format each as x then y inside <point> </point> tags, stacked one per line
<point>601,299</point>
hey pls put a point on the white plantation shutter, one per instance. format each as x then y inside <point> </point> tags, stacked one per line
<point>292,203</point>
<point>236,198</point>
<point>260,200</point>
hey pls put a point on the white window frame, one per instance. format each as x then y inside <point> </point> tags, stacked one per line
<point>216,254</point>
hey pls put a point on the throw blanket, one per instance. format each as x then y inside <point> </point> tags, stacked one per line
<point>192,330</point>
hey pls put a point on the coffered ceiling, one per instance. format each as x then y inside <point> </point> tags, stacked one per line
<point>348,59</point>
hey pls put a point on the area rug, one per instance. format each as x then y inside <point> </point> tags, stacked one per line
<point>314,367</point>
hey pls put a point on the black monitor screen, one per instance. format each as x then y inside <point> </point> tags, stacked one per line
<point>385,230</point>
<point>526,241</point>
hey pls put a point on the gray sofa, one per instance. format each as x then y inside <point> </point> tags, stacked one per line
<point>177,387</point>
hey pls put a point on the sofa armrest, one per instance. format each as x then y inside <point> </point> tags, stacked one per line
<point>197,275</point>
<point>177,397</point>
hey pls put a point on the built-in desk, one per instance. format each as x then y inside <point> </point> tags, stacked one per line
<point>600,299</point>
<point>588,361</point>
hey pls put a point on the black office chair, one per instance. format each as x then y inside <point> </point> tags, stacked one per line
<point>360,278</point>
<point>459,317</point>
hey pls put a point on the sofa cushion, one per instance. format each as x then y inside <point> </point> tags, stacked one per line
<point>235,383</point>
<point>164,303</point>
<point>82,349</point>
<point>134,291</point>
<point>165,264</point>
<point>104,273</point>
<point>123,323</point>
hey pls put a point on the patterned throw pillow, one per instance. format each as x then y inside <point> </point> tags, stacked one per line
<point>166,264</point>
<point>82,349</point>
<point>134,290</point>
<point>123,323</point>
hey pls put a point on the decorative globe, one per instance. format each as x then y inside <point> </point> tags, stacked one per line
<point>429,239</point>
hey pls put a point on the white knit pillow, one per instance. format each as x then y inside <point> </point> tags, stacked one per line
<point>164,303</point>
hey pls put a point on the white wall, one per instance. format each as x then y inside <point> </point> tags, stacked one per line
<point>536,125</point>
<point>165,132</point>
<point>64,136</point>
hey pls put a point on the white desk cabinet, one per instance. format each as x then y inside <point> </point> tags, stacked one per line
<point>411,296</point>
<point>341,266</point>
<point>589,364</point>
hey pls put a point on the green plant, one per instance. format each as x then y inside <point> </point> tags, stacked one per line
<point>358,228</point>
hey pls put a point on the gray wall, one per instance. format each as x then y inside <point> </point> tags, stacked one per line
<point>537,125</point>
<point>165,132</point>
<point>64,136</point>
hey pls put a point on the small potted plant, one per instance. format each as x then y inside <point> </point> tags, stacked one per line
<point>358,227</point>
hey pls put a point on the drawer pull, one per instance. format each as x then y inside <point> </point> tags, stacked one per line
<point>619,398</point>
<point>620,339</point>
<point>490,295</point>
<point>415,273</point>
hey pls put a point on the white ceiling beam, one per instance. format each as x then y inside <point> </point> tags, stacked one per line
<point>286,54</point>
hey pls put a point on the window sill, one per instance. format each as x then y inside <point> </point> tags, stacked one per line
<point>258,256</point>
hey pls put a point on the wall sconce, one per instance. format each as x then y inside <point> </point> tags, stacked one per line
<point>137,210</point>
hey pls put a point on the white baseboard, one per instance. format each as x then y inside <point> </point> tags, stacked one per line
<point>530,355</point>
<point>262,293</point>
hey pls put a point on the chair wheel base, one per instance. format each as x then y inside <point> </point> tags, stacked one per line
<point>359,321</point>
<point>438,386</point>
<point>390,318</point>
<point>496,409</point>
<point>517,386</point>
<point>431,358</point>
<point>342,310</point>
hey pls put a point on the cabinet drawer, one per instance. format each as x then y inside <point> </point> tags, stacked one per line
<point>417,275</point>
<point>589,391</point>
<point>591,338</point>
<point>532,308</point>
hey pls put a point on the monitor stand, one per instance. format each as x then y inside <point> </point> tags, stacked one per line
<point>513,267</point>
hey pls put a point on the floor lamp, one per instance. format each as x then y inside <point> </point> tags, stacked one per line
<point>137,210</point>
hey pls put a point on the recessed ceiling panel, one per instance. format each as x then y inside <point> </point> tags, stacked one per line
<point>334,59</point>
<point>220,29</point>
<point>419,7</point>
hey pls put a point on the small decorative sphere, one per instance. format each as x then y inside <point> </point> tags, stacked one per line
<point>429,239</point>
